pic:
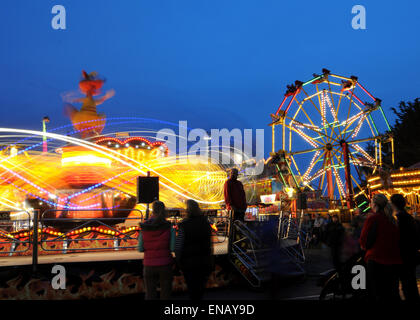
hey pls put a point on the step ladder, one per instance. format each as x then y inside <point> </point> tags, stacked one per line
<point>252,255</point>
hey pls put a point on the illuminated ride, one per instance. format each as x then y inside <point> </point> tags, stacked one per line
<point>85,174</point>
<point>327,126</point>
<point>87,121</point>
<point>405,181</point>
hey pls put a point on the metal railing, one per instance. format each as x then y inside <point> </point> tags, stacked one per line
<point>87,225</point>
<point>290,230</point>
<point>40,236</point>
<point>222,225</point>
<point>250,256</point>
<point>254,247</point>
<point>5,224</point>
<point>75,231</point>
<point>220,222</point>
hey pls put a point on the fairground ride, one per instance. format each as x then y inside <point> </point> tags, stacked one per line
<point>87,174</point>
<point>329,129</point>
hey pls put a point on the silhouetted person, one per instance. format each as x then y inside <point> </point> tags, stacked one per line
<point>409,246</point>
<point>193,250</point>
<point>380,239</point>
<point>157,240</point>
<point>235,198</point>
<point>357,222</point>
<point>307,226</point>
<point>317,229</point>
<point>334,233</point>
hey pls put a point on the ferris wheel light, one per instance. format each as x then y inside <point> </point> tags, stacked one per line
<point>318,121</point>
<point>290,192</point>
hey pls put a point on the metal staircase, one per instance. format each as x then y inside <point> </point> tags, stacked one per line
<point>248,254</point>
<point>252,252</point>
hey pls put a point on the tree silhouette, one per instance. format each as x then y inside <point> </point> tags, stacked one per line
<point>406,131</point>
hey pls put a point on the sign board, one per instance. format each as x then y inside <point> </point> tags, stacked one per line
<point>268,198</point>
<point>122,135</point>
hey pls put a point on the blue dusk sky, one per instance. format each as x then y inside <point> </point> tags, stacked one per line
<point>216,64</point>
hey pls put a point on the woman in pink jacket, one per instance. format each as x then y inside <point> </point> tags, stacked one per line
<point>157,241</point>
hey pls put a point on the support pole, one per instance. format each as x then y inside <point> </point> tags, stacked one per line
<point>380,153</point>
<point>349,187</point>
<point>329,176</point>
<point>35,242</point>
<point>392,151</point>
<point>273,138</point>
<point>283,134</point>
<point>45,120</point>
<point>230,231</point>
<point>147,205</point>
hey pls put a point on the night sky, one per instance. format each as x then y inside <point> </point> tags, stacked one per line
<point>217,64</point>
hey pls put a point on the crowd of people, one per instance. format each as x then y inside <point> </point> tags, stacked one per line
<point>387,237</point>
<point>192,247</point>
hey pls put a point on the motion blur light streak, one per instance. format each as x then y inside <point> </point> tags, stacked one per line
<point>86,172</point>
<point>98,173</point>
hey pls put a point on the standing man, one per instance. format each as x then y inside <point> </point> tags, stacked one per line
<point>235,199</point>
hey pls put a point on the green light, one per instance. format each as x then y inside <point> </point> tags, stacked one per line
<point>44,129</point>
<point>310,81</point>
<point>386,120</point>
<point>281,176</point>
<point>374,125</point>
<point>290,170</point>
<point>362,204</point>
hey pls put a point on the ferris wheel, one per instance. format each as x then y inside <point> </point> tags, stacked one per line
<point>328,126</point>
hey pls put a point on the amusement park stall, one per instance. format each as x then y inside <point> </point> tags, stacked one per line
<point>405,181</point>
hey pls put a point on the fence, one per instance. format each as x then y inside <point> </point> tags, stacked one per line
<point>6,228</point>
<point>82,233</point>
<point>88,225</point>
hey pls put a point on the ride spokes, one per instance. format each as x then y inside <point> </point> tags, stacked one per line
<point>330,126</point>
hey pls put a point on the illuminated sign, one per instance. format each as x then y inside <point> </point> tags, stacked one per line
<point>82,160</point>
<point>269,198</point>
